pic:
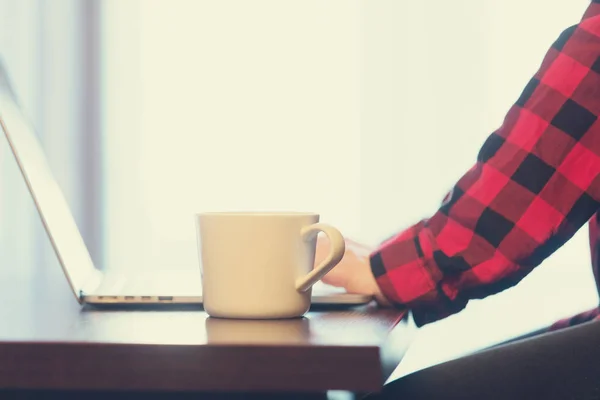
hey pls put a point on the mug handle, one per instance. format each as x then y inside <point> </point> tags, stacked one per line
<point>338,248</point>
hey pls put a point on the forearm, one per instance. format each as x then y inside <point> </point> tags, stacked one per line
<point>536,181</point>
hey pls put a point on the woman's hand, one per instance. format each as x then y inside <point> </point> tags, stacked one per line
<point>353,273</point>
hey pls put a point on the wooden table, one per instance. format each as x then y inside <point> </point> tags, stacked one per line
<point>49,342</point>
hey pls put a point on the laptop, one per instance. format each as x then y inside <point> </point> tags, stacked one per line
<point>91,285</point>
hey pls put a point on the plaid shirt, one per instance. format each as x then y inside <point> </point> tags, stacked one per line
<point>535,182</point>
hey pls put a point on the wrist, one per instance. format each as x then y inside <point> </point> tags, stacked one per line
<point>382,300</point>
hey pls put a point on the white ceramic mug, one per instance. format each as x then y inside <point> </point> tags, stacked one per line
<point>260,265</point>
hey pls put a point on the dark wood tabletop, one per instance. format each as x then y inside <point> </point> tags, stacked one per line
<point>48,341</point>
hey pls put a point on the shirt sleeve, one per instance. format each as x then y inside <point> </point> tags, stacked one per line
<point>535,182</point>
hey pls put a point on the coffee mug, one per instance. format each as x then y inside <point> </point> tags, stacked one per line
<point>260,265</point>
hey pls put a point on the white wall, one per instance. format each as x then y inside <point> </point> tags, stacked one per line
<point>244,106</point>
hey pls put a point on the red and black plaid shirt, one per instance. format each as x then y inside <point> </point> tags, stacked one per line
<point>536,181</point>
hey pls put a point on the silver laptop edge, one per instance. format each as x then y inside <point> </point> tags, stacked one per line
<point>52,207</point>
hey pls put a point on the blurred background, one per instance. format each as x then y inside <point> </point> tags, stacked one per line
<point>364,111</point>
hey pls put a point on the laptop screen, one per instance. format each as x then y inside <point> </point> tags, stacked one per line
<point>47,195</point>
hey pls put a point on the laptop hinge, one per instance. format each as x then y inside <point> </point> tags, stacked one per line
<point>92,283</point>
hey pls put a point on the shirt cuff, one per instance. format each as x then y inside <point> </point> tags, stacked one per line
<point>408,276</point>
